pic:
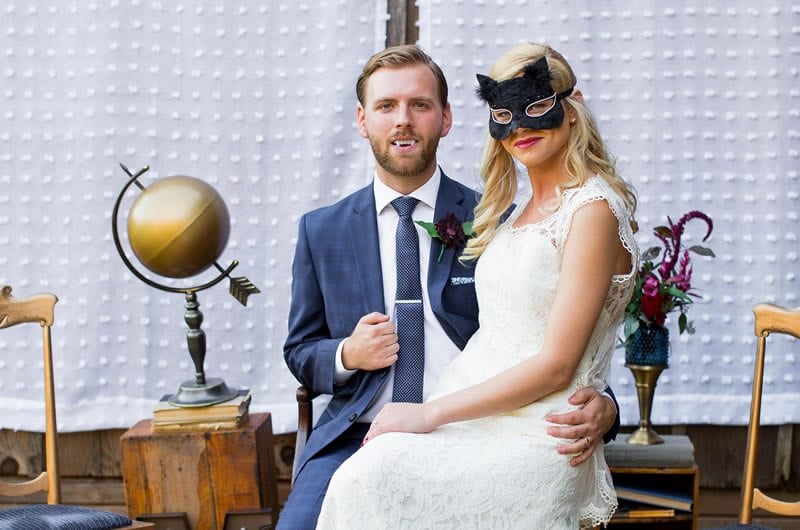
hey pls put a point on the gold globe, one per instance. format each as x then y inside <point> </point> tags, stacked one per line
<point>178,226</point>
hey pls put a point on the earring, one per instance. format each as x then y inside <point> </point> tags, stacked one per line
<point>573,119</point>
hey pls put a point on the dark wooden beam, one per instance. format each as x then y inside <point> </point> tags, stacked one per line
<point>401,28</point>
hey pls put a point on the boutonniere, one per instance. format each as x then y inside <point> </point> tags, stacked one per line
<point>450,230</point>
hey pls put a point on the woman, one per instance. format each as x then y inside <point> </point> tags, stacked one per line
<point>552,282</point>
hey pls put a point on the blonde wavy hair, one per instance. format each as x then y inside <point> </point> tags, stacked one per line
<point>586,154</point>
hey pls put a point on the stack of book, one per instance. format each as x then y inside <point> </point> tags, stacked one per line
<point>663,498</point>
<point>226,415</point>
<point>654,483</point>
<point>634,510</point>
<point>676,451</point>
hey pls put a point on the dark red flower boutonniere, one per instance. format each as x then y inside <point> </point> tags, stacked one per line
<point>450,230</point>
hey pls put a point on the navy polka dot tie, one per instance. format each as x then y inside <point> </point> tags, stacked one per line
<point>410,320</point>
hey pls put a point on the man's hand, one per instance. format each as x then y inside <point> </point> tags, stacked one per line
<point>372,345</point>
<point>586,426</point>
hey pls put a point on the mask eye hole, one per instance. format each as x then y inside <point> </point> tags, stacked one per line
<point>540,107</point>
<point>501,116</point>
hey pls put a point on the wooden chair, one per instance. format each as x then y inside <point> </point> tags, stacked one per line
<point>39,309</point>
<point>305,422</point>
<point>769,319</point>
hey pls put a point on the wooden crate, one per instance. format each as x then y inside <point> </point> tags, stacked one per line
<point>205,474</point>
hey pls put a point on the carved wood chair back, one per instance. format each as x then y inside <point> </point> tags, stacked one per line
<point>768,319</point>
<point>40,309</point>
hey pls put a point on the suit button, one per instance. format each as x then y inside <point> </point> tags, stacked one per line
<point>352,417</point>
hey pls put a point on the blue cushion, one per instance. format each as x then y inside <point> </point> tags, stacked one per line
<point>59,517</point>
<point>741,526</point>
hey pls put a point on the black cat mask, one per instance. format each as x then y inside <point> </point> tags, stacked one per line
<point>527,101</point>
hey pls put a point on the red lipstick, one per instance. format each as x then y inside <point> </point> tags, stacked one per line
<point>527,142</point>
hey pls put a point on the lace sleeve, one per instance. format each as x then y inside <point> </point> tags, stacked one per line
<point>596,189</point>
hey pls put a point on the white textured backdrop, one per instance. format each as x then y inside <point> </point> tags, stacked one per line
<point>256,98</point>
<point>699,103</point>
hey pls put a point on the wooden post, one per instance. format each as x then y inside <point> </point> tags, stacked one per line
<point>401,28</point>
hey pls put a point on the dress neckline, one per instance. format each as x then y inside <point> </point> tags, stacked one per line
<point>529,226</point>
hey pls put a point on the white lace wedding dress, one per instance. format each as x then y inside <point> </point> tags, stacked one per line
<point>501,471</point>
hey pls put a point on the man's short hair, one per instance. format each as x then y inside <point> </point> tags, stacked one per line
<point>397,57</point>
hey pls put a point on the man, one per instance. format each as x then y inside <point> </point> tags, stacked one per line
<point>347,271</point>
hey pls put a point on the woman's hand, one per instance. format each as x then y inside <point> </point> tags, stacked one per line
<point>402,417</point>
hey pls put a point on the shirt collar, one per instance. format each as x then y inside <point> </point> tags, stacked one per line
<point>426,193</point>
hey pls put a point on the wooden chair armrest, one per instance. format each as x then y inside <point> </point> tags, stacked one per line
<point>305,420</point>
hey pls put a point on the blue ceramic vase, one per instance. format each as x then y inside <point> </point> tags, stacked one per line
<point>648,346</point>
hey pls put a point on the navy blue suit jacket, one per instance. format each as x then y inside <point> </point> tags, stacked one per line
<point>337,279</point>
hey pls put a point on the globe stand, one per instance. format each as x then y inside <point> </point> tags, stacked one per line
<point>201,392</point>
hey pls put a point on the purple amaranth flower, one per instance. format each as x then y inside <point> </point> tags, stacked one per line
<point>671,252</point>
<point>684,277</point>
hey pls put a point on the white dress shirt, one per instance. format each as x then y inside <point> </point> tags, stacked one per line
<point>439,349</point>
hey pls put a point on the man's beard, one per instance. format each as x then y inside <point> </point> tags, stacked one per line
<point>405,165</point>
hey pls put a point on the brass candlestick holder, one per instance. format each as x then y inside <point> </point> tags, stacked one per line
<point>646,377</point>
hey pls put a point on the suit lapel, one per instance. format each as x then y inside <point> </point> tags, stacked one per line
<point>362,229</point>
<point>449,199</point>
